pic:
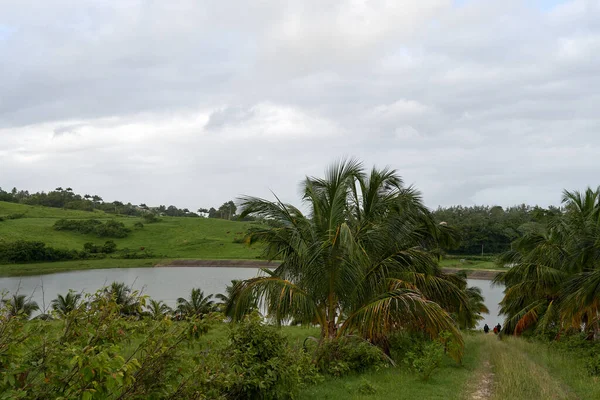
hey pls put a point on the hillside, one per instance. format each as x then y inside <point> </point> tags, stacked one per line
<point>172,237</point>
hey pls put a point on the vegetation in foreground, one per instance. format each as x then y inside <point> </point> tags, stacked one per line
<point>552,287</point>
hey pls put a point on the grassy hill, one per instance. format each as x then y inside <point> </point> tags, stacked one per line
<point>171,238</point>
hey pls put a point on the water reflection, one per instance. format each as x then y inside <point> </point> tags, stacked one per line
<point>168,284</point>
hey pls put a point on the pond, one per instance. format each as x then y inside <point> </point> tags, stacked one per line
<point>170,283</point>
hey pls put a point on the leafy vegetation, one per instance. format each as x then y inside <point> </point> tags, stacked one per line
<point>362,262</point>
<point>555,275</point>
<point>490,230</point>
<point>111,228</point>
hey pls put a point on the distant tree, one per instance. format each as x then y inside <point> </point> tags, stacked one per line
<point>227,210</point>
<point>63,305</point>
<point>19,306</point>
<point>197,304</point>
<point>124,297</point>
<point>158,310</point>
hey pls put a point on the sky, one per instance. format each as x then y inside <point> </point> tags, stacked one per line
<point>195,102</point>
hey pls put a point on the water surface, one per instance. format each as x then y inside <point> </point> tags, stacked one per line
<point>170,283</point>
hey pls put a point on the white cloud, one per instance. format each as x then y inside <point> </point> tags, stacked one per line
<point>196,102</point>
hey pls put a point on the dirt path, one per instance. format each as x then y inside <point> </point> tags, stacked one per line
<point>485,383</point>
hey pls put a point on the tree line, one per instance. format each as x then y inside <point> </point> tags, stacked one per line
<point>66,198</point>
<point>492,229</point>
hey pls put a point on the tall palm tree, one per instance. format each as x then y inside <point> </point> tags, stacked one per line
<point>127,299</point>
<point>555,275</point>
<point>158,310</point>
<point>63,305</point>
<point>360,261</point>
<point>19,306</point>
<point>197,305</point>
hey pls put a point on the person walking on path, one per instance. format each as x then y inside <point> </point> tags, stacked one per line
<point>486,329</point>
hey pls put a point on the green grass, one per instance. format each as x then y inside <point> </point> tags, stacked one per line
<point>469,264</point>
<point>567,368</point>
<point>449,382</point>
<point>47,212</point>
<point>172,238</point>
<point>65,266</point>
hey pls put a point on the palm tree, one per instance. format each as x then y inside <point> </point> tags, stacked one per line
<point>225,303</point>
<point>555,275</point>
<point>158,310</point>
<point>361,261</point>
<point>63,305</point>
<point>127,299</point>
<point>197,305</point>
<point>467,318</point>
<point>19,306</point>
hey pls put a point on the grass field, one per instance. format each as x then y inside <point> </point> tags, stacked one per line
<point>449,382</point>
<point>470,264</point>
<point>171,238</point>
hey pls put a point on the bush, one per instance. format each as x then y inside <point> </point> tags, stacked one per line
<point>340,357</point>
<point>265,366</point>
<point>110,228</point>
<point>150,218</point>
<point>108,248</point>
<point>426,358</point>
<point>138,225</point>
<point>131,254</point>
<point>23,251</point>
<point>12,216</point>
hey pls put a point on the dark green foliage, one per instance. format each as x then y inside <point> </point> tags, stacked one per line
<point>426,358</point>
<point>494,228</point>
<point>23,251</point>
<point>138,225</point>
<point>110,228</point>
<point>11,216</point>
<point>265,365</point>
<point>129,254</point>
<point>107,248</point>
<point>345,355</point>
<point>366,387</point>
<point>150,218</point>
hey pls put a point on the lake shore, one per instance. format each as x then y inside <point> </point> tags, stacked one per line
<point>482,274</point>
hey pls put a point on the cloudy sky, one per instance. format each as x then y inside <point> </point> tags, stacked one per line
<point>193,103</point>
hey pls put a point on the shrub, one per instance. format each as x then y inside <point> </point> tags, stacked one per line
<point>23,251</point>
<point>150,218</point>
<point>108,248</point>
<point>342,356</point>
<point>131,254</point>
<point>264,364</point>
<point>426,358</point>
<point>592,365</point>
<point>138,225</point>
<point>110,228</point>
<point>366,387</point>
<point>12,216</point>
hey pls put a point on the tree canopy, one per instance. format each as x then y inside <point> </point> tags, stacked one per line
<point>362,260</point>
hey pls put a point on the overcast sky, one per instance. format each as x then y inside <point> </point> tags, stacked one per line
<point>193,103</point>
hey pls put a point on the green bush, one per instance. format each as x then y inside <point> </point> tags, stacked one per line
<point>23,251</point>
<point>107,248</point>
<point>110,228</point>
<point>342,356</point>
<point>150,218</point>
<point>12,216</point>
<point>426,358</point>
<point>138,225</point>
<point>265,366</point>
